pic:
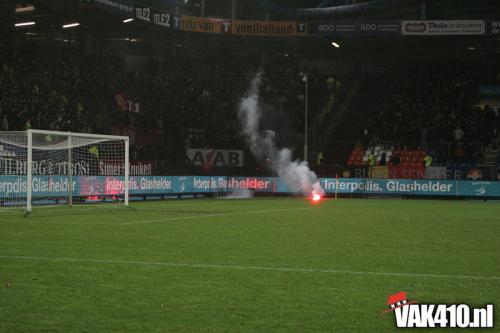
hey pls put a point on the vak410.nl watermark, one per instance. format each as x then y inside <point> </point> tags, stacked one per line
<point>411,314</point>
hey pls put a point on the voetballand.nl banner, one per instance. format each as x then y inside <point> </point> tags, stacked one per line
<point>243,27</point>
<point>265,28</point>
<point>200,24</point>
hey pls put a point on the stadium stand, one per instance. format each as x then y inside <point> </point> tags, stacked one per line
<point>434,109</point>
<point>64,88</point>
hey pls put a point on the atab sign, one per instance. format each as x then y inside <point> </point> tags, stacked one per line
<point>215,157</point>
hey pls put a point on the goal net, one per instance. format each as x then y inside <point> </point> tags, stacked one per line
<point>62,168</point>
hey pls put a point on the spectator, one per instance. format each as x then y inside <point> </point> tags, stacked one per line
<point>427,160</point>
<point>383,159</point>
<point>319,158</point>
<point>5,122</point>
<point>458,134</point>
<point>366,137</point>
<point>372,160</point>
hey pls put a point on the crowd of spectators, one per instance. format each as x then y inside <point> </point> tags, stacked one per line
<point>201,97</point>
<point>429,106</point>
<point>54,88</point>
<point>183,101</point>
<point>190,101</point>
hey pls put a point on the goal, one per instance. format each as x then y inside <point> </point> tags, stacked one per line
<point>62,168</point>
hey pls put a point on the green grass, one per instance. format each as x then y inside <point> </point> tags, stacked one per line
<point>259,265</point>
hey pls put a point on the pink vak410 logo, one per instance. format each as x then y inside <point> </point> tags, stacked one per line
<point>410,314</point>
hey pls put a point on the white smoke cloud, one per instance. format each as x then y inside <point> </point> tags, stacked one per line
<point>296,174</point>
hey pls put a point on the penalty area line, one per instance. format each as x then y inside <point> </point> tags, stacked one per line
<point>251,268</point>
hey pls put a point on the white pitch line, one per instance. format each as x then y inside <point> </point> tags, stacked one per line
<point>253,268</point>
<point>166,219</point>
<point>211,215</point>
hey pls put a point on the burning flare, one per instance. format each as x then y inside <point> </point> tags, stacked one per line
<point>316,197</point>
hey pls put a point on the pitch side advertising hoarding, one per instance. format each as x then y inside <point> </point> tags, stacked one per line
<point>56,186</point>
<point>10,166</point>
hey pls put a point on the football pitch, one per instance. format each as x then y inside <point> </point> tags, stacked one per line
<point>252,265</point>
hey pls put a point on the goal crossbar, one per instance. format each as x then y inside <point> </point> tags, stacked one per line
<point>80,135</point>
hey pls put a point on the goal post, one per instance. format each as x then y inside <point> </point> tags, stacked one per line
<point>40,167</point>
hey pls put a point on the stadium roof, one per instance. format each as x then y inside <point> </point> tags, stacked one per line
<point>283,9</point>
<point>50,15</point>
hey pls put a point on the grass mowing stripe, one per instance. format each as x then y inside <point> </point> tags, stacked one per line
<point>166,219</point>
<point>254,268</point>
<point>214,214</point>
